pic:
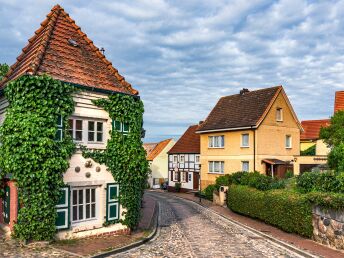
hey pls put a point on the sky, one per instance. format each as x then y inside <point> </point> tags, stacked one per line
<point>184,55</point>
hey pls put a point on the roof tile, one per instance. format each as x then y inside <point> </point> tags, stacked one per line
<point>312,128</point>
<point>339,101</point>
<point>189,142</point>
<point>153,152</point>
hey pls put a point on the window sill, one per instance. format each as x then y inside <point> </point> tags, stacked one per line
<point>245,147</point>
<point>216,147</point>
<point>288,148</point>
<point>216,173</point>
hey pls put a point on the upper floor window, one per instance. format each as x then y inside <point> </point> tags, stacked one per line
<point>197,158</point>
<point>120,126</point>
<point>95,131</point>
<point>59,132</point>
<point>175,159</point>
<point>75,129</point>
<point>279,114</point>
<point>216,167</point>
<point>245,140</point>
<point>217,141</point>
<point>182,159</point>
<point>288,141</point>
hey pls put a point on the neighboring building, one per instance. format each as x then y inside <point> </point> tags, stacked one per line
<point>184,161</point>
<point>158,161</point>
<point>250,131</point>
<point>60,49</point>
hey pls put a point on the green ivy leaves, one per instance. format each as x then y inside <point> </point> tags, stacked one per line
<point>30,153</point>
<point>124,155</point>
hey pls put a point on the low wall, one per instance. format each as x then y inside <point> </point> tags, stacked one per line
<point>328,227</point>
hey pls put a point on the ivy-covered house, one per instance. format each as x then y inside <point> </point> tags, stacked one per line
<point>72,158</point>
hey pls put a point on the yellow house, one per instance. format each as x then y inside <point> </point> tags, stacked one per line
<point>250,131</point>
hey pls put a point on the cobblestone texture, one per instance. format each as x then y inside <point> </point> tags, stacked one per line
<point>11,248</point>
<point>189,230</point>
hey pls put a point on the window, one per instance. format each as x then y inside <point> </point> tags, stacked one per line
<point>175,159</point>
<point>59,132</point>
<point>245,166</point>
<point>120,126</point>
<point>183,176</point>
<point>95,131</point>
<point>182,158</point>
<point>216,167</point>
<point>83,204</point>
<point>245,140</point>
<point>288,141</point>
<point>279,114</point>
<point>216,141</point>
<point>75,129</point>
<point>175,176</point>
<point>190,177</point>
<point>197,159</point>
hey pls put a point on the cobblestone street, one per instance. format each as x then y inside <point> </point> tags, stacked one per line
<point>189,230</point>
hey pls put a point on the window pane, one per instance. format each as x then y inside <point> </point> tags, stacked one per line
<point>99,126</point>
<point>75,212</point>
<point>81,212</point>
<point>59,120</point>
<point>70,123</point>
<point>91,136</point>
<point>78,124</point>
<point>216,167</point>
<point>75,196</point>
<point>81,196</point>
<point>90,125</point>
<point>93,213</point>
<point>88,195</point>
<point>99,137</point>
<point>88,207</point>
<point>118,126</point>
<point>125,127</point>
<point>93,195</point>
<point>58,136</point>
<point>222,141</point>
<point>210,140</point>
<point>78,135</point>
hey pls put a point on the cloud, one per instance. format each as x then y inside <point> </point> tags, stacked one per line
<point>184,55</point>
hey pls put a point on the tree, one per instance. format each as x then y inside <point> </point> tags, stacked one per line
<point>333,136</point>
<point>3,70</point>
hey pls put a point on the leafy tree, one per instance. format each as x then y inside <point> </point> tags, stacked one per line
<point>333,136</point>
<point>3,70</point>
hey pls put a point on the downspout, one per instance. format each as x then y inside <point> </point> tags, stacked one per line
<point>254,150</point>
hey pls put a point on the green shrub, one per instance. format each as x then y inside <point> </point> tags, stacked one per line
<point>286,210</point>
<point>321,182</point>
<point>307,181</point>
<point>237,177</point>
<point>208,192</point>
<point>309,152</point>
<point>327,200</point>
<point>278,184</point>
<point>177,187</point>
<point>224,180</point>
<point>289,174</point>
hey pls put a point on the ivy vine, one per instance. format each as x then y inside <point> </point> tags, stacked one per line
<point>124,155</point>
<point>30,152</point>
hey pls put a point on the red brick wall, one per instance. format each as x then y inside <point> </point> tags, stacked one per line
<point>14,203</point>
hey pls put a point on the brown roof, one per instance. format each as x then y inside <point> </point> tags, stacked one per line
<point>189,142</point>
<point>240,110</point>
<point>312,128</point>
<point>158,148</point>
<point>59,48</point>
<point>339,101</point>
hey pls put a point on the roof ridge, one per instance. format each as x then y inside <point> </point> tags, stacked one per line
<point>249,92</point>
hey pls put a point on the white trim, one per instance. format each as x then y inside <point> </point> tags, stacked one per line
<point>113,200</point>
<point>109,205</point>
<point>65,210</point>
<point>228,129</point>
<point>66,199</point>
<point>291,141</point>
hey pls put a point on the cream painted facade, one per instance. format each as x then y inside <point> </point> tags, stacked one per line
<point>267,141</point>
<point>159,165</point>
<point>79,175</point>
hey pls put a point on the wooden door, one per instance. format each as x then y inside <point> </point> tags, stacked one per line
<point>195,180</point>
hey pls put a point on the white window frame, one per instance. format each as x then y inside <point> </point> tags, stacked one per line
<point>216,142</point>
<point>197,159</point>
<point>288,141</point>
<point>183,177</point>
<point>73,129</point>
<point>175,176</point>
<point>175,159</point>
<point>182,158</point>
<point>242,166</point>
<point>113,204</point>
<point>279,114</point>
<point>212,167</point>
<point>95,131</point>
<point>84,204</point>
<point>243,145</point>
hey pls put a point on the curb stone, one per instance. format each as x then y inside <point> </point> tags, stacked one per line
<point>152,235</point>
<point>270,238</point>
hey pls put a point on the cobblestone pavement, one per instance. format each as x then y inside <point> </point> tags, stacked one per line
<point>11,248</point>
<point>189,230</point>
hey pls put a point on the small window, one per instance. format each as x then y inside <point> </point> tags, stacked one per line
<point>245,140</point>
<point>216,167</point>
<point>120,127</point>
<point>175,176</point>
<point>182,159</point>
<point>175,159</point>
<point>197,158</point>
<point>75,129</point>
<point>95,131</point>
<point>288,141</point>
<point>245,166</point>
<point>216,141</point>
<point>83,204</point>
<point>183,176</point>
<point>59,132</point>
<point>190,177</point>
<point>279,114</point>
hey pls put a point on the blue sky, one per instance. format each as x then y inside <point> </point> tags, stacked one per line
<point>183,55</point>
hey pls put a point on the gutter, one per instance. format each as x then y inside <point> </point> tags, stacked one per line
<point>228,129</point>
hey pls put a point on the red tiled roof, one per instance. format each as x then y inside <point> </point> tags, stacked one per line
<point>240,110</point>
<point>51,51</point>
<point>189,142</point>
<point>339,101</point>
<point>158,148</point>
<point>312,128</point>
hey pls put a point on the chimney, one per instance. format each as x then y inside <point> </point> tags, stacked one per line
<point>243,91</point>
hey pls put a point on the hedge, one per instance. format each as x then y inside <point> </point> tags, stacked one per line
<point>289,211</point>
<point>321,182</point>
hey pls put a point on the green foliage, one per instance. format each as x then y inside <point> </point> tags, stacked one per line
<point>333,136</point>
<point>208,191</point>
<point>286,210</point>
<point>309,152</point>
<point>30,153</point>
<point>321,182</point>
<point>224,180</point>
<point>327,200</point>
<point>3,70</point>
<point>124,154</point>
<point>177,186</point>
<point>289,174</point>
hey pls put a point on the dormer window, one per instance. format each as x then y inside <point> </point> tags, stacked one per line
<point>279,114</point>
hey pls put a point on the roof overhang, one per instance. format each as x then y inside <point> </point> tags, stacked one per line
<point>227,129</point>
<point>274,161</point>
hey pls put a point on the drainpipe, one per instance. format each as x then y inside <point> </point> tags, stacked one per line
<point>254,149</point>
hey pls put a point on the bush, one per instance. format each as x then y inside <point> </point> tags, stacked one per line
<point>289,174</point>
<point>177,187</point>
<point>237,177</point>
<point>307,181</point>
<point>208,192</point>
<point>327,200</point>
<point>224,180</point>
<point>311,151</point>
<point>321,182</point>
<point>289,211</point>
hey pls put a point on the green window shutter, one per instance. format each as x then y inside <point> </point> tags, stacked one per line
<point>59,132</point>
<point>112,202</point>
<point>125,127</point>
<point>117,125</point>
<point>62,209</point>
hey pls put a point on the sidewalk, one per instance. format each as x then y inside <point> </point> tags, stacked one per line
<point>293,239</point>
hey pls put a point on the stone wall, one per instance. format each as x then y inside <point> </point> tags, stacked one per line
<point>328,227</point>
